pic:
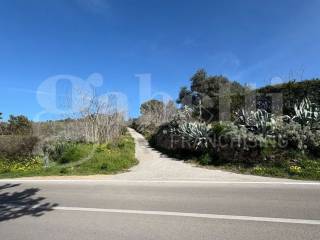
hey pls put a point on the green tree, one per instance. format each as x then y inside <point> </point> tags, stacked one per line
<point>198,79</point>
<point>2,125</point>
<point>292,92</point>
<point>152,107</point>
<point>19,125</point>
<point>153,114</point>
<point>185,96</point>
<point>208,91</point>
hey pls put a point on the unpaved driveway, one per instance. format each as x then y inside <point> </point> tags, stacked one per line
<point>154,165</point>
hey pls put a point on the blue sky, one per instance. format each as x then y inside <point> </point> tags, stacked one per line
<point>250,41</point>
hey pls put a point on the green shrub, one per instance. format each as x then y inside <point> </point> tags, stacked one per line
<point>22,165</point>
<point>63,170</point>
<point>115,156</point>
<point>269,171</point>
<point>205,159</point>
<point>292,92</point>
<point>239,145</point>
<point>104,166</point>
<point>295,170</point>
<point>219,129</point>
<point>295,136</point>
<point>19,125</point>
<point>66,152</point>
<point>59,151</point>
<point>259,170</point>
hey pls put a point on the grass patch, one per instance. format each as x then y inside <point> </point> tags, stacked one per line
<point>305,169</point>
<point>77,159</point>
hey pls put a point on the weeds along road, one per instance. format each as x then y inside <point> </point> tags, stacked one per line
<point>115,209</point>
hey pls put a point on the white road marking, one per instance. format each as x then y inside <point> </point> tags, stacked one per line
<point>184,214</point>
<point>154,181</point>
<point>195,215</point>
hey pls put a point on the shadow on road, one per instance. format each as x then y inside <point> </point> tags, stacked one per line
<point>22,203</point>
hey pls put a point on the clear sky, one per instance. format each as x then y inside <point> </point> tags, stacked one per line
<point>250,41</point>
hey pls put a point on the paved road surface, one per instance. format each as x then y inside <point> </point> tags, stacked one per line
<point>169,210</point>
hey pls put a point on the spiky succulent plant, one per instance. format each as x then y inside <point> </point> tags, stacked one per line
<point>196,132</point>
<point>260,121</point>
<point>307,113</point>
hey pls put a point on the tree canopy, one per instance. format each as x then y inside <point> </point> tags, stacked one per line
<point>211,89</point>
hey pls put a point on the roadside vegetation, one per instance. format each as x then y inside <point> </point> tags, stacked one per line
<point>75,159</point>
<point>224,131</point>
<point>93,142</point>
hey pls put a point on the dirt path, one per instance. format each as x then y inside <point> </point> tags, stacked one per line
<point>153,165</point>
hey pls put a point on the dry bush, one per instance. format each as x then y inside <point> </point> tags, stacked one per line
<point>17,145</point>
<point>154,113</point>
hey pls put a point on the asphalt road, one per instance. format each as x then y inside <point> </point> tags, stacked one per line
<point>113,209</point>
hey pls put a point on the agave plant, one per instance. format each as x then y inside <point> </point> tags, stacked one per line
<point>306,113</point>
<point>259,121</point>
<point>196,132</point>
<point>184,114</point>
<point>220,129</point>
<point>243,117</point>
<point>264,122</point>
